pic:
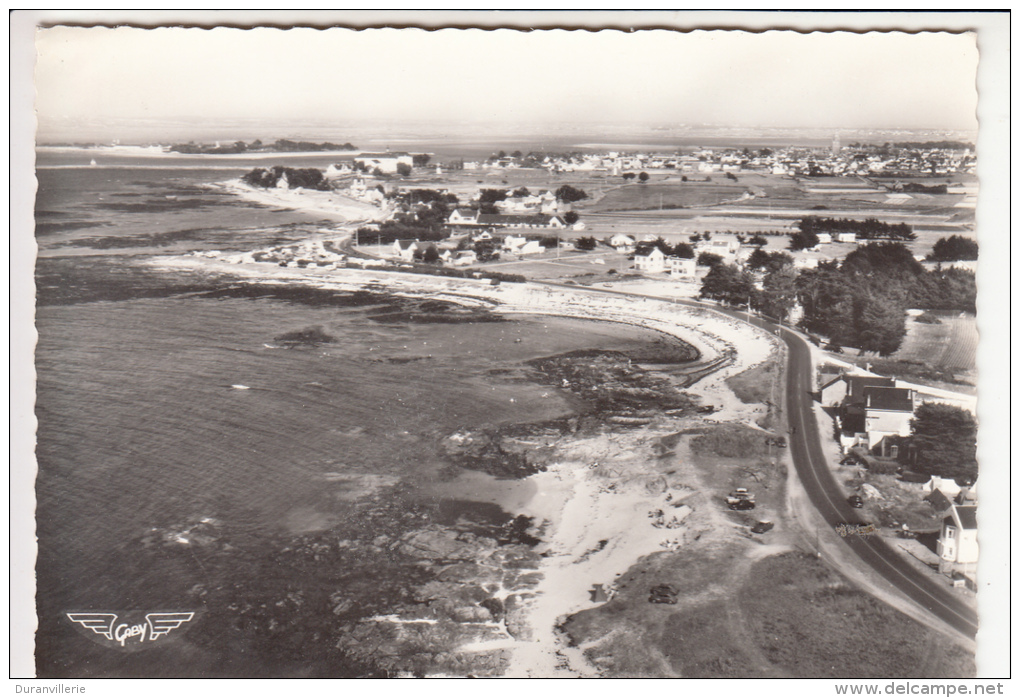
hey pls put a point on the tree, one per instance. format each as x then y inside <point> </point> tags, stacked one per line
<point>943,441</point>
<point>571,217</point>
<point>568,194</point>
<point>768,261</point>
<point>430,255</point>
<point>779,292</point>
<point>803,241</point>
<point>758,240</point>
<point>726,283</point>
<point>683,251</point>
<point>953,248</point>
<point>629,175</point>
<point>643,177</point>
<point>403,169</point>
<point>879,324</point>
<point>421,159</point>
<point>683,178</point>
<point>708,259</point>
<point>586,243</point>
<point>696,238</point>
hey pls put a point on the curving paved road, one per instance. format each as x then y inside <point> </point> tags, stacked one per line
<point>826,494</point>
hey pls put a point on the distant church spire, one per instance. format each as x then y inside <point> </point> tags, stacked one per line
<point>835,143</point>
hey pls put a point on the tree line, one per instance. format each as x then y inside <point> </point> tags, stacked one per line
<point>304,178</point>
<point>868,229</point>
<point>860,302</point>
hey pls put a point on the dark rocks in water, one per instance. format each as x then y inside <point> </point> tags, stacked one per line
<point>311,336</point>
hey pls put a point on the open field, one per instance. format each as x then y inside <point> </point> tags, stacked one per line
<point>951,344</point>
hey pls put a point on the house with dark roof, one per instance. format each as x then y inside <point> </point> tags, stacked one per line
<point>512,220</point>
<point>850,389</point>
<point>887,412</point>
<point>957,545</point>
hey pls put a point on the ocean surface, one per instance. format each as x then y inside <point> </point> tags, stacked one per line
<point>189,448</point>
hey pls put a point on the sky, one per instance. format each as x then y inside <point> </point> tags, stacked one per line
<point>102,77</point>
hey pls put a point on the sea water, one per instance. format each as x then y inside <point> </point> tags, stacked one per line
<point>185,449</point>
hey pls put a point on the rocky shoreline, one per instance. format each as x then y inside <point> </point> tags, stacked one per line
<point>484,599</point>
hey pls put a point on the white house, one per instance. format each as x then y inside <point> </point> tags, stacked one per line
<point>653,261</point>
<point>824,238</point>
<point>957,545</point>
<point>946,485</point>
<point>727,249</point>
<point>463,216</point>
<point>846,237</point>
<point>465,258</point>
<point>405,249</point>
<point>621,242</point>
<point>386,163</point>
<point>682,267</point>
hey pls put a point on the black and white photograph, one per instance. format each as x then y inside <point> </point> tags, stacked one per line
<point>482,344</point>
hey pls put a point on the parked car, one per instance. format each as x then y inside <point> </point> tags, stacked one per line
<point>855,500</point>
<point>762,527</point>
<point>742,505</point>
<point>834,348</point>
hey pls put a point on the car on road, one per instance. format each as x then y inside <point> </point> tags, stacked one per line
<point>855,500</point>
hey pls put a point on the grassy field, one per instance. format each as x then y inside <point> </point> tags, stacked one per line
<point>951,344</point>
<point>638,197</point>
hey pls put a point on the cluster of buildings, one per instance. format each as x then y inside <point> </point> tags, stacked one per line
<point>834,161</point>
<point>869,410</point>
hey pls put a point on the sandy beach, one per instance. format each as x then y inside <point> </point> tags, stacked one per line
<point>328,204</point>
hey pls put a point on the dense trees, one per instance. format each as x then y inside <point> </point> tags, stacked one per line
<point>768,261</point>
<point>571,217</point>
<point>568,194</point>
<point>683,250</point>
<point>420,159</point>
<point>868,229</point>
<point>643,177</point>
<point>803,241</point>
<point>308,178</point>
<point>629,175</point>
<point>708,259</point>
<point>943,441</point>
<point>403,169</point>
<point>953,248</point>
<point>586,243</point>
<point>862,302</point>
<point>727,283</point>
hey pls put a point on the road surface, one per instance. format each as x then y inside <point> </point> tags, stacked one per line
<point>826,494</point>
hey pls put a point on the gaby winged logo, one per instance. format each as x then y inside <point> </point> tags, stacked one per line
<point>126,629</point>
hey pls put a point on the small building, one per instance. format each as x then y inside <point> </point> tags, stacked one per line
<point>846,237</point>
<point>509,220</point>
<point>465,258</point>
<point>947,485</point>
<point>824,238</point>
<point>727,249</point>
<point>622,242</point>
<point>957,545</point>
